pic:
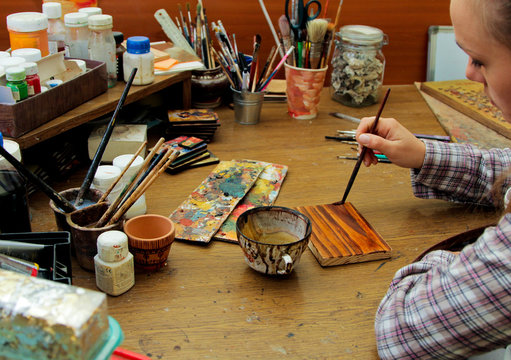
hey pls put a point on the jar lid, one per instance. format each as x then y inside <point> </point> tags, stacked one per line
<point>100,21</point>
<point>91,11</point>
<point>27,21</point>
<point>76,19</point>
<point>362,35</point>
<point>30,68</point>
<point>15,73</point>
<point>29,54</point>
<point>11,61</point>
<point>112,246</point>
<point>53,10</point>
<point>105,175</point>
<point>118,36</point>
<point>138,45</point>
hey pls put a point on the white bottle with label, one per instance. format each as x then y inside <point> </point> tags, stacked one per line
<point>113,264</point>
<point>138,55</point>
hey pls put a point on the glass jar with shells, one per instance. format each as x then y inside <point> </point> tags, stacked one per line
<point>358,65</point>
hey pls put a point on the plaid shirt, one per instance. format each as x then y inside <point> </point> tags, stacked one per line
<point>450,306</point>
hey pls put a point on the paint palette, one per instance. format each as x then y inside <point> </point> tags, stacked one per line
<point>341,235</point>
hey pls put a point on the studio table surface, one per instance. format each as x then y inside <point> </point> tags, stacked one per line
<point>207,303</point>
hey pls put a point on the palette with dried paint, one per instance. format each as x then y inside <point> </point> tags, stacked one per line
<point>341,235</point>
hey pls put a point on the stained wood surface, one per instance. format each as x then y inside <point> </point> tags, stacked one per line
<point>207,302</point>
<point>341,235</point>
<point>468,98</point>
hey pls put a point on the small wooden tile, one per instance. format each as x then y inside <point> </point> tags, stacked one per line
<point>341,235</point>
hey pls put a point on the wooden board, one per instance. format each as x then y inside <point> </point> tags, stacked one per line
<point>468,97</point>
<point>341,235</point>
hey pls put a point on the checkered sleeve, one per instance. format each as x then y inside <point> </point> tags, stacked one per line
<point>450,306</point>
<point>460,172</point>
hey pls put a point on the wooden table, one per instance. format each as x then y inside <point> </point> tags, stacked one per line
<point>207,303</point>
<point>104,104</point>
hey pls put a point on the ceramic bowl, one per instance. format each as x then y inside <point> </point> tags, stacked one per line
<point>149,238</point>
<point>273,238</point>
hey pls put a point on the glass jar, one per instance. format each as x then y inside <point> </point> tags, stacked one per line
<point>102,44</point>
<point>56,27</point>
<point>358,65</point>
<point>77,35</point>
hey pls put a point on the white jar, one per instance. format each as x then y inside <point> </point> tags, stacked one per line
<point>29,54</point>
<point>139,207</point>
<point>113,264</point>
<point>138,55</point>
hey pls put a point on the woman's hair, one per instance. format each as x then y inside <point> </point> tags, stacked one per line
<point>496,17</point>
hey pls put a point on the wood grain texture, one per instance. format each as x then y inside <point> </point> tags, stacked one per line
<point>207,303</point>
<point>341,235</point>
<point>405,22</point>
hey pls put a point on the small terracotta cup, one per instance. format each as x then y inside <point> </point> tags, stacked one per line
<point>149,238</point>
<point>273,238</point>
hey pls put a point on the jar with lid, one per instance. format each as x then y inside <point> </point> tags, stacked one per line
<point>102,44</point>
<point>32,78</point>
<point>15,77</point>
<point>56,27</point>
<point>138,55</point>
<point>14,209</point>
<point>77,35</point>
<point>28,30</point>
<point>358,65</point>
<point>28,54</point>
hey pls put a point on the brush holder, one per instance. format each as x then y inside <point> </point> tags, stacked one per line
<point>208,87</point>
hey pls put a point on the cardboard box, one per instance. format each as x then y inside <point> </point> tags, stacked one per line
<point>19,118</point>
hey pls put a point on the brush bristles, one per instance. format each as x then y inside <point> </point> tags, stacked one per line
<point>316,30</point>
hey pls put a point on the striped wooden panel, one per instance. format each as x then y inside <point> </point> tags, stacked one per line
<point>341,235</point>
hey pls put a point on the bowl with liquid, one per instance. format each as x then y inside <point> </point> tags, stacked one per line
<point>273,238</point>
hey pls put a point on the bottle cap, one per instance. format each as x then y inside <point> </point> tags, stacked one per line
<point>76,19</point>
<point>27,22</point>
<point>112,246</point>
<point>118,36</point>
<point>91,10</point>
<point>138,45</point>
<point>81,64</point>
<point>29,54</point>
<point>362,35</point>
<point>53,10</point>
<point>105,175</point>
<point>30,68</point>
<point>99,22</point>
<point>11,61</point>
<point>15,73</point>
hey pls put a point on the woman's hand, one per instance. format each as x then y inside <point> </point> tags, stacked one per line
<point>392,139</point>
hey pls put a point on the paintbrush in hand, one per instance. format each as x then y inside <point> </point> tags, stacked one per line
<point>316,30</point>
<point>363,152</point>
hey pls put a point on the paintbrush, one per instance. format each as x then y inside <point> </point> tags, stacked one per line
<point>263,71</point>
<point>337,17</point>
<point>58,199</point>
<point>326,43</point>
<point>268,70</point>
<point>279,65</point>
<point>316,30</point>
<point>183,24</point>
<point>255,60</point>
<point>104,142</point>
<point>270,24</point>
<point>363,152</point>
<point>285,31</point>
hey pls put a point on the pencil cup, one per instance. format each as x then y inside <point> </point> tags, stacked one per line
<point>303,88</point>
<point>247,106</point>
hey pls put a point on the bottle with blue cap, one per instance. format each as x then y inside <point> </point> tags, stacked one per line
<point>138,55</point>
<point>14,210</point>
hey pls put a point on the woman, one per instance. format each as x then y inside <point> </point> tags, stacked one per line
<point>454,305</point>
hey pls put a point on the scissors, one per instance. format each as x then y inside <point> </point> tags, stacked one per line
<point>302,16</point>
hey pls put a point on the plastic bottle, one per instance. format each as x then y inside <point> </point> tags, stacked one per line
<point>138,55</point>
<point>14,210</point>
<point>56,27</point>
<point>15,77</point>
<point>32,78</point>
<point>77,35</point>
<point>28,54</point>
<point>102,44</point>
<point>119,53</point>
<point>139,207</point>
<point>113,264</point>
<point>28,30</point>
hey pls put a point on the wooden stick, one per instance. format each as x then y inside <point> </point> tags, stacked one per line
<point>337,17</point>
<point>158,169</point>
<point>112,186</point>
<point>363,152</point>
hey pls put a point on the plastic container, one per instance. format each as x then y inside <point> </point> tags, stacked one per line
<point>15,76</point>
<point>138,55</point>
<point>32,78</point>
<point>358,65</point>
<point>28,54</point>
<point>56,27</point>
<point>14,210</point>
<point>52,252</point>
<point>139,207</point>
<point>102,45</point>
<point>77,35</point>
<point>28,30</point>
